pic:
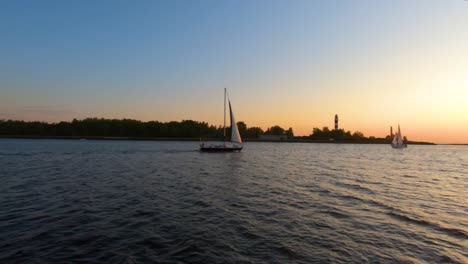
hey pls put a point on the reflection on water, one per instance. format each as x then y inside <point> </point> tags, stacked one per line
<point>124,201</point>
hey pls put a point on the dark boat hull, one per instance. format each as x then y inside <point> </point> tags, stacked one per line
<point>208,149</point>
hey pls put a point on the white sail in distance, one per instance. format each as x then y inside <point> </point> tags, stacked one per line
<point>399,138</point>
<point>397,141</point>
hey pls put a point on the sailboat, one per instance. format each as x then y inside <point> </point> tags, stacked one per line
<point>235,141</point>
<point>397,141</point>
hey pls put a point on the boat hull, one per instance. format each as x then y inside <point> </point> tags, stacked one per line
<point>215,149</point>
<point>227,146</point>
<point>399,147</point>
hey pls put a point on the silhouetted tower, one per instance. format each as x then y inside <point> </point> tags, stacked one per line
<point>391,132</point>
<point>336,122</point>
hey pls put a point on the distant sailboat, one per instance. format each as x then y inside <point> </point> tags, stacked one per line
<point>398,140</point>
<point>234,143</point>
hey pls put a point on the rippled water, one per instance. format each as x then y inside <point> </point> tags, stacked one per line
<point>136,201</point>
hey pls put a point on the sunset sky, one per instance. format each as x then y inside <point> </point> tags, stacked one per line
<point>289,63</point>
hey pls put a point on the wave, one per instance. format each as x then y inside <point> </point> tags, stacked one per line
<point>355,187</point>
<point>447,259</point>
<point>24,154</point>
<point>400,215</point>
<point>454,232</point>
<point>337,214</point>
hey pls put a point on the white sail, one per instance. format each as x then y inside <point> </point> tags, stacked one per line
<point>397,141</point>
<point>399,138</point>
<point>235,136</point>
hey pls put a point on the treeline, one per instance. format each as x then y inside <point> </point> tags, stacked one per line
<point>101,127</point>
<point>342,135</point>
<point>91,127</point>
<point>255,132</point>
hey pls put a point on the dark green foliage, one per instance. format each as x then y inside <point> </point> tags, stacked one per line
<point>24,128</point>
<point>358,135</point>
<point>100,127</point>
<point>253,132</point>
<point>111,128</point>
<point>275,130</point>
<point>247,132</point>
<point>242,128</point>
<point>341,135</point>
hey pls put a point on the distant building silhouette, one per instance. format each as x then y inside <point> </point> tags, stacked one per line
<point>391,132</point>
<point>336,122</point>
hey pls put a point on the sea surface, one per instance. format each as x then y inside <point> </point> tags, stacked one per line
<point>86,201</point>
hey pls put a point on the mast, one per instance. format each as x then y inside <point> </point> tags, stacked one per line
<point>224,130</point>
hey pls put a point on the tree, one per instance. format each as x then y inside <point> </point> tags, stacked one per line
<point>337,134</point>
<point>275,130</point>
<point>358,135</point>
<point>242,128</point>
<point>253,132</point>
<point>290,133</point>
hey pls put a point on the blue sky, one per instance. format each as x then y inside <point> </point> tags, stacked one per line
<point>293,63</point>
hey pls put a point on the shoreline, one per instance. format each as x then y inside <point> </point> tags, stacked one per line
<point>206,139</point>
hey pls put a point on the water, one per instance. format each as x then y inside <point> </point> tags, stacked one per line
<point>135,201</point>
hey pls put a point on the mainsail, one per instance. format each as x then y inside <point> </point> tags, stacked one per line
<point>235,136</point>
